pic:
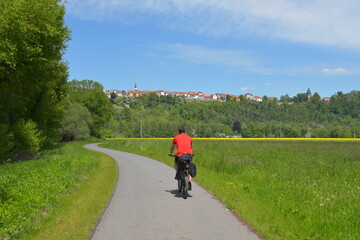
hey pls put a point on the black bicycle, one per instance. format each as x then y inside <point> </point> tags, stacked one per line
<point>184,165</point>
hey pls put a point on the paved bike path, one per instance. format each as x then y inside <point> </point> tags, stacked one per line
<point>146,205</point>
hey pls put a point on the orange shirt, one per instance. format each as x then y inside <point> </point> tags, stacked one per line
<point>183,143</point>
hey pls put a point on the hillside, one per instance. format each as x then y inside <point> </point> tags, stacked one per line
<point>159,116</point>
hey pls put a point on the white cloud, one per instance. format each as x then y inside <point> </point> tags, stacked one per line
<point>336,71</point>
<point>246,89</point>
<point>325,22</point>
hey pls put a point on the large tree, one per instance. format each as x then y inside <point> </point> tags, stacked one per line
<point>33,74</point>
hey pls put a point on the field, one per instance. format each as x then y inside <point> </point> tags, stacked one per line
<point>284,189</point>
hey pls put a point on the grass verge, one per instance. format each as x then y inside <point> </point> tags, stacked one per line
<point>283,189</point>
<point>59,196</point>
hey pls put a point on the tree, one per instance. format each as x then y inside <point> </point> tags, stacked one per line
<point>229,98</point>
<point>242,98</point>
<point>113,96</point>
<point>32,73</point>
<point>315,98</point>
<point>90,94</point>
<point>300,97</point>
<point>77,123</point>
<point>285,98</point>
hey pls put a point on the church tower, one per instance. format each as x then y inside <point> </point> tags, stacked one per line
<point>308,93</point>
<point>135,87</point>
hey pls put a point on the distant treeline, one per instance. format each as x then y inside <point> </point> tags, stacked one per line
<point>153,116</point>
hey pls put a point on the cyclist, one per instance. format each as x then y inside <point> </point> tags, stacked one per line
<point>183,144</point>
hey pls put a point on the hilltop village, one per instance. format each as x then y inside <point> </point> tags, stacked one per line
<point>193,96</point>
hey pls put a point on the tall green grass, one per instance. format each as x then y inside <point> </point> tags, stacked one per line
<point>32,191</point>
<point>283,189</point>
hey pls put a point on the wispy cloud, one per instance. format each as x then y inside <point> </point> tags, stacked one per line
<point>336,71</point>
<point>325,22</point>
<point>202,55</point>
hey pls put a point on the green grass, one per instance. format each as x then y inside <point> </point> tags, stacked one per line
<point>283,189</point>
<point>58,196</point>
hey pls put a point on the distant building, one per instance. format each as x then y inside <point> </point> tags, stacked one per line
<point>120,93</point>
<point>134,93</point>
<point>189,96</point>
<point>248,96</point>
<point>309,95</point>
<point>257,98</point>
<point>326,99</point>
<point>208,97</point>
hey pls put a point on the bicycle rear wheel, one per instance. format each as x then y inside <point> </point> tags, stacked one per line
<point>185,187</point>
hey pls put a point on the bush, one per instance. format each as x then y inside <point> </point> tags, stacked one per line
<point>29,137</point>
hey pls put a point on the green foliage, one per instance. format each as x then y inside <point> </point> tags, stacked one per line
<point>161,116</point>
<point>284,189</point>
<point>77,123</point>
<point>285,98</point>
<point>29,189</point>
<point>28,135</point>
<point>346,104</point>
<point>301,97</point>
<point>32,73</point>
<point>90,94</point>
<point>334,130</point>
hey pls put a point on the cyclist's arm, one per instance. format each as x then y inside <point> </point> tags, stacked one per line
<point>172,149</point>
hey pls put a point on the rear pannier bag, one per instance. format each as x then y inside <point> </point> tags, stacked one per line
<point>192,170</point>
<point>187,158</point>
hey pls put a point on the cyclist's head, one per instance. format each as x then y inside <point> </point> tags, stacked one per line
<point>181,129</point>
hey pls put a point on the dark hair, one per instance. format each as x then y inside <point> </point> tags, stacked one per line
<point>181,129</point>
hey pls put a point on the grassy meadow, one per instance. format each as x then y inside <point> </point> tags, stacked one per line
<point>284,189</point>
<point>60,195</point>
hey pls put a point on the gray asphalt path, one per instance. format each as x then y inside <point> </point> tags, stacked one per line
<point>146,205</point>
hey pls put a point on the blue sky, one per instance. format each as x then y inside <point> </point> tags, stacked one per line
<point>217,46</point>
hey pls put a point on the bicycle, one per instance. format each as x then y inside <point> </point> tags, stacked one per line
<point>184,168</point>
